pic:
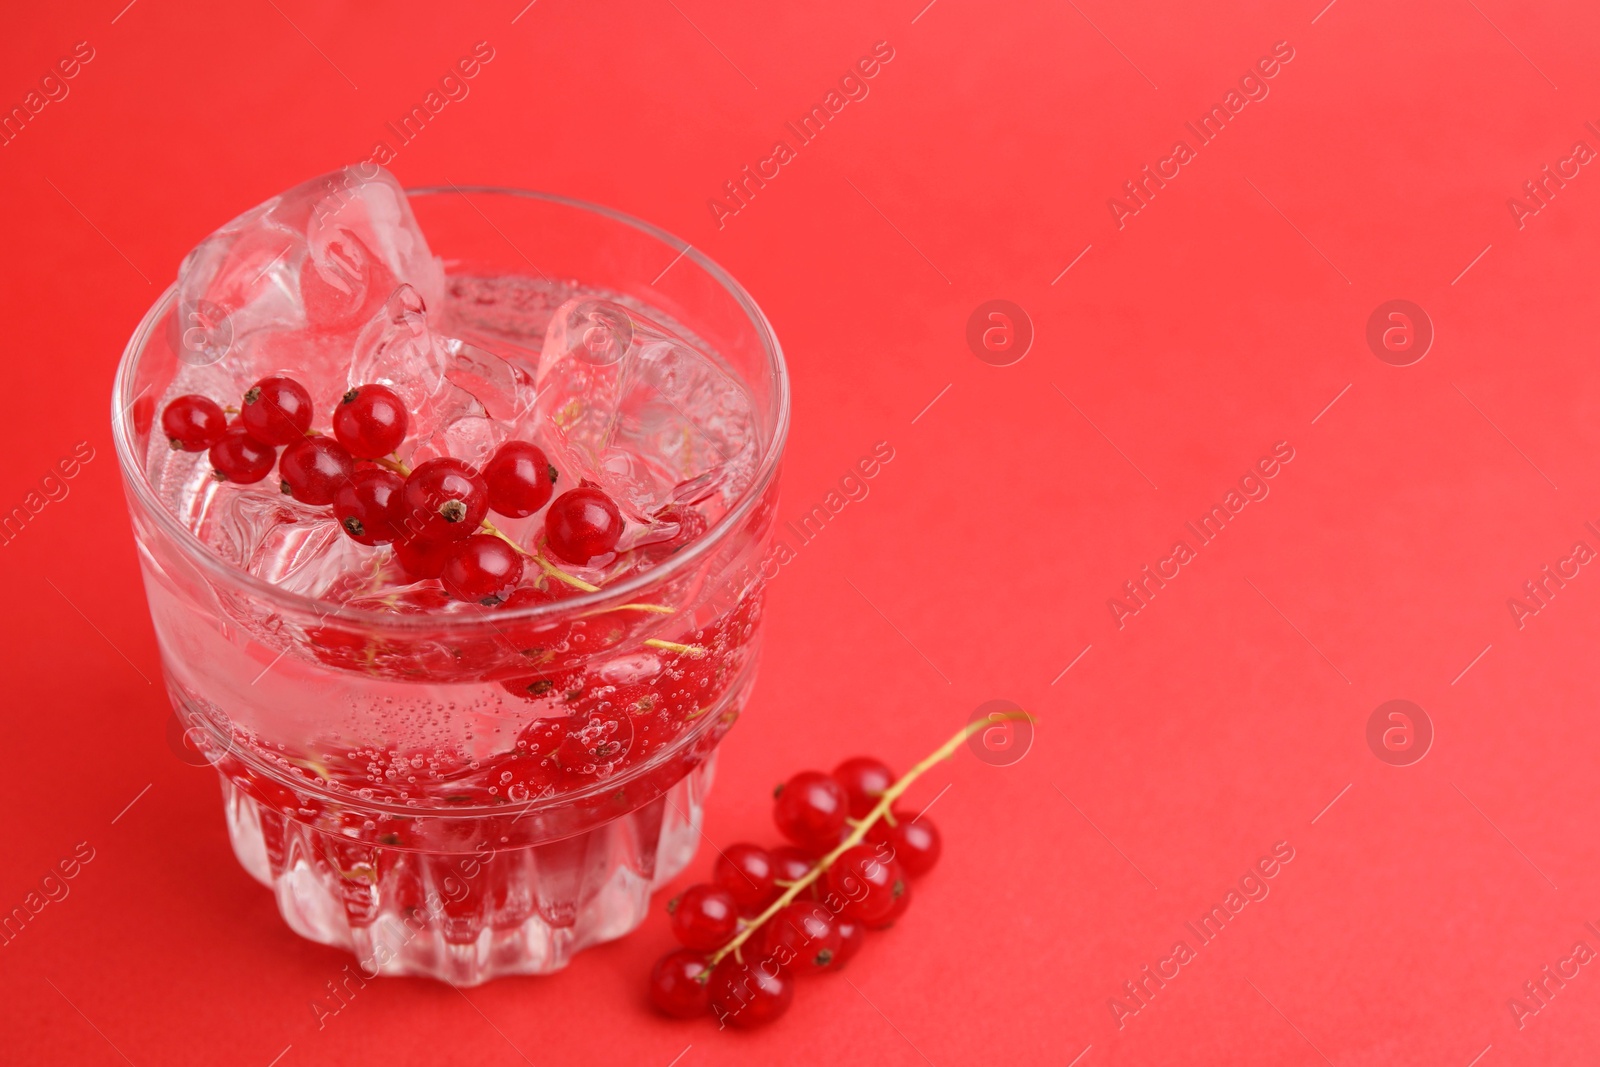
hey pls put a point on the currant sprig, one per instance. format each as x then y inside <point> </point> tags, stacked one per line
<point>435,515</point>
<point>790,934</point>
<point>860,827</point>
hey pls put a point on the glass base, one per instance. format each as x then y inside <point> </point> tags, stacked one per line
<point>465,918</point>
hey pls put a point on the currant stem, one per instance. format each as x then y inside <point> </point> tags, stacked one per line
<point>560,575</point>
<point>692,651</point>
<point>538,557</point>
<point>394,465</point>
<point>879,811</point>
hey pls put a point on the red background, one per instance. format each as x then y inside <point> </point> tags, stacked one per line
<point>1224,317</point>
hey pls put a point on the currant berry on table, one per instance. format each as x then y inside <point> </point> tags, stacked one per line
<point>870,884</point>
<point>679,984</point>
<point>748,995</point>
<point>864,779</point>
<point>704,916</point>
<point>810,809</point>
<point>803,937</point>
<point>790,864</point>
<point>852,935</point>
<point>914,841</point>
<point>747,872</point>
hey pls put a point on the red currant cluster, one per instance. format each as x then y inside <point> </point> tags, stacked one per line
<point>435,515</point>
<point>802,908</point>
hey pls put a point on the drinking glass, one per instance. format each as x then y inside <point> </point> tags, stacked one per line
<point>327,723</point>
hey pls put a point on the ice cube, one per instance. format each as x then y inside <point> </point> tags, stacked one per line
<point>397,347</point>
<point>464,400</point>
<point>632,406</point>
<point>322,256</point>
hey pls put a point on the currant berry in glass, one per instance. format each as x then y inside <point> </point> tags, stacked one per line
<point>439,785</point>
<point>583,523</point>
<point>239,458</point>
<point>482,569</point>
<point>370,421</point>
<point>520,479</point>
<point>314,469</point>
<point>365,506</point>
<point>276,410</point>
<point>420,558</point>
<point>193,423</point>
<point>443,500</point>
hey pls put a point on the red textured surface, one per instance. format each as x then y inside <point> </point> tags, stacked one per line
<point>1224,317</point>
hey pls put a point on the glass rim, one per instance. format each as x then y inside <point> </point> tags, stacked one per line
<point>197,551</point>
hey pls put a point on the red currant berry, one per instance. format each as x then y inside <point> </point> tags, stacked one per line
<point>314,469</point>
<point>596,743</point>
<point>790,864</point>
<point>240,458</point>
<point>802,936</point>
<point>444,500</point>
<point>748,995</point>
<point>852,935</point>
<point>811,809</point>
<point>915,842</point>
<point>558,685</point>
<point>869,884</point>
<point>678,984</point>
<point>420,558</point>
<point>864,779</point>
<point>704,916</point>
<point>276,410</point>
<point>193,423</point>
<point>520,479</point>
<point>746,872</point>
<point>370,421</point>
<point>365,506</point>
<point>582,523</point>
<point>483,568</point>
<point>901,901</point>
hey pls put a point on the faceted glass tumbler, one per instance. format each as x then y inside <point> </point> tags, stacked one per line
<point>282,693</point>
